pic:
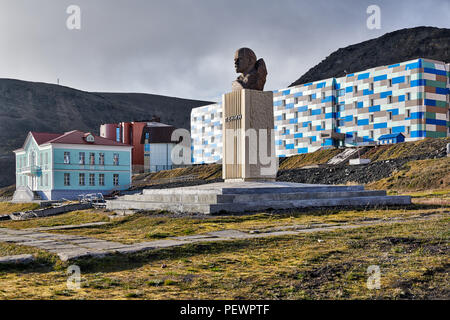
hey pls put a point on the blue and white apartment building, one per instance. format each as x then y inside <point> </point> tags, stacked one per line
<point>53,166</point>
<point>411,98</point>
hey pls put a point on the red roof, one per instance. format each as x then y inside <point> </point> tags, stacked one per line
<point>73,137</point>
<point>42,137</point>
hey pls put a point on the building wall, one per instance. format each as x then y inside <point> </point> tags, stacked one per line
<point>206,134</point>
<point>74,168</point>
<point>411,97</point>
<point>47,178</point>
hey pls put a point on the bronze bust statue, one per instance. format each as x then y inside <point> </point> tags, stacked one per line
<point>253,72</point>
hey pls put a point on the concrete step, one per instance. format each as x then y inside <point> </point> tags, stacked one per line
<point>243,198</point>
<point>211,189</point>
<point>259,205</point>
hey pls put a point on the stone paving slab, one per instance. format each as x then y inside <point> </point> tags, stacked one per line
<point>71,226</point>
<point>17,259</point>
<point>69,247</point>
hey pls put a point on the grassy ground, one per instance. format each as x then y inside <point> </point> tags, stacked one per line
<point>153,225</point>
<point>75,217</point>
<point>8,207</point>
<point>301,160</point>
<point>405,149</point>
<point>420,175</point>
<point>413,260</point>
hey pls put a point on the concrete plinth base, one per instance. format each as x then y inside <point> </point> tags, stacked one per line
<point>252,196</point>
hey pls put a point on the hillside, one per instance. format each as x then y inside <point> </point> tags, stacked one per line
<point>401,45</point>
<point>26,106</point>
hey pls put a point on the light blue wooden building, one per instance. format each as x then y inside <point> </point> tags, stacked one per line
<point>64,166</point>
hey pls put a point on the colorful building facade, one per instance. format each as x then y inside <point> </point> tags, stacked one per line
<point>151,141</point>
<point>206,134</point>
<point>64,166</point>
<point>411,98</point>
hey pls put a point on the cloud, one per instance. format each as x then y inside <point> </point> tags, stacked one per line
<point>185,48</point>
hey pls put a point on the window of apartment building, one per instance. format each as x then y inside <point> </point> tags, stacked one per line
<point>81,181</point>
<point>220,114</point>
<point>46,180</point>
<point>390,130</point>
<point>408,130</point>
<point>195,119</point>
<point>295,100</point>
<point>355,104</point>
<point>408,79</point>
<point>101,179</point>
<point>116,159</point>
<point>323,124</point>
<point>203,118</point>
<point>284,130</point>
<point>41,181</point>
<point>46,158</point>
<point>101,159</point>
<point>67,179</point>
<point>309,112</point>
<point>372,102</point>
<point>390,83</point>
<point>66,157</point>
<point>323,110</point>
<point>212,139</point>
<point>341,107</point>
<point>92,179</point>
<point>310,140</point>
<point>296,114</point>
<point>41,159</point>
<point>371,134</point>
<point>310,98</point>
<point>355,119</point>
<point>212,151</point>
<point>283,103</point>
<point>371,117</point>
<point>389,99</point>
<point>284,143</point>
<point>212,116</point>
<point>203,129</point>
<point>296,128</point>
<point>408,113</point>
<point>92,158</point>
<point>81,157</point>
<point>310,126</point>
<point>323,95</point>
<point>116,179</point>
<point>283,116</point>
<point>390,115</point>
<point>340,92</point>
<point>408,96</point>
<point>355,89</point>
<point>371,86</point>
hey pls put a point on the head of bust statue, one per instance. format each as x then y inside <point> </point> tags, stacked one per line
<point>244,60</point>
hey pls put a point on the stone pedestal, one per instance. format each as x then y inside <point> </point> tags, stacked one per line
<point>248,136</point>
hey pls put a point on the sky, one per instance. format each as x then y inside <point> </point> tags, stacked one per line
<point>185,48</point>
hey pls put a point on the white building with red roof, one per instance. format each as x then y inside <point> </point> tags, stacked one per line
<point>52,166</point>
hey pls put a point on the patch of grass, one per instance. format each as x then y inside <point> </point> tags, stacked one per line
<point>405,149</point>
<point>301,160</point>
<point>143,227</point>
<point>431,174</point>
<point>9,207</point>
<point>288,267</point>
<point>75,217</point>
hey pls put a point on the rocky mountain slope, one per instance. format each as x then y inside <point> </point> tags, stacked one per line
<point>401,45</point>
<point>26,106</point>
